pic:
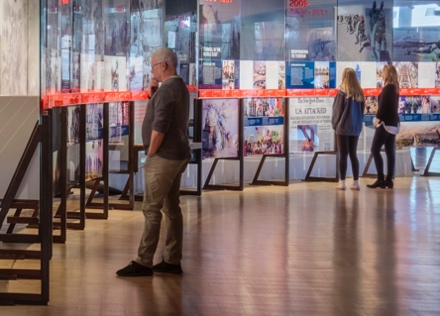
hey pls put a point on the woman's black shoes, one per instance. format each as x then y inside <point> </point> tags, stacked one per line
<point>381,184</point>
<point>389,184</point>
<point>377,184</point>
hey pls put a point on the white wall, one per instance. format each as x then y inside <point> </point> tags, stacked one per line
<point>13,47</point>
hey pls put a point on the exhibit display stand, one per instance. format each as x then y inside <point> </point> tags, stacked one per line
<point>97,142</point>
<point>87,143</point>
<point>310,132</point>
<point>427,171</point>
<point>334,153</point>
<point>221,137</point>
<point>41,219</point>
<point>266,134</point>
<point>124,154</point>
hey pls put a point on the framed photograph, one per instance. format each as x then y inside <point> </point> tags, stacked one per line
<point>220,128</point>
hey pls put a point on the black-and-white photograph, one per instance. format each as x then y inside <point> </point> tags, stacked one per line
<point>365,31</point>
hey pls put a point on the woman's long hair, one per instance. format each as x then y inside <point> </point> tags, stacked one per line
<point>351,86</point>
<point>390,76</point>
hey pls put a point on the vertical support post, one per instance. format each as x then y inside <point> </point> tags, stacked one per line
<point>240,144</point>
<point>105,157</point>
<point>82,165</point>
<point>63,175</point>
<point>286,141</point>
<point>337,155</point>
<point>131,158</point>
<point>46,180</point>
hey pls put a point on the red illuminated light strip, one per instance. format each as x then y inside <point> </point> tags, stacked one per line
<point>65,99</point>
<point>306,92</point>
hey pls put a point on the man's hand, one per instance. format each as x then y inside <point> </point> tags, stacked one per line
<point>154,85</point>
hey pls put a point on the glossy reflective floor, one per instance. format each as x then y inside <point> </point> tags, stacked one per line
<point>305,249</point>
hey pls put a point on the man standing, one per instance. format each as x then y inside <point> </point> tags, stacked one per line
<point>164,133</point>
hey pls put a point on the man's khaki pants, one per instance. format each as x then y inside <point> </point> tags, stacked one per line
<point>162,190</point>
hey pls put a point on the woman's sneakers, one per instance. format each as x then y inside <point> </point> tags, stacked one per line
<point>355,185</point>
<point>341,185</point>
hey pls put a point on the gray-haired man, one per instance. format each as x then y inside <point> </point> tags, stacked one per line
<point>164,133</point>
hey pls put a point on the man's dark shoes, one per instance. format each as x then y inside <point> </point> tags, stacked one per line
<point>377,184</point>
<point>167,268</point>
<point>134,269</point>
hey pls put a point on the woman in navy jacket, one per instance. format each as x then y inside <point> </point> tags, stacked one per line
<point>347,117</point>
<point>387,126</point>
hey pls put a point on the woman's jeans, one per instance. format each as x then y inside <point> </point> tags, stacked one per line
<point>382,137</point>
<point>347,146</point>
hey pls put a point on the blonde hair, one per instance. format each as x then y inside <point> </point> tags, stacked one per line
<point>390,76</point>
<point>351,86</point>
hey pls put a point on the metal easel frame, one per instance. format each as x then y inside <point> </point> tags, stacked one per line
<point>308,177</point>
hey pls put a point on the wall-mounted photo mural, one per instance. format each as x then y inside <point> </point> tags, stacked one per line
<point>365,30</point>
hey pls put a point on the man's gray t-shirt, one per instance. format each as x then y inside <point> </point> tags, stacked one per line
<point>167,113</point>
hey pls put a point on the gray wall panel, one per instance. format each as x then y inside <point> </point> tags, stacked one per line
<point>18,116</point>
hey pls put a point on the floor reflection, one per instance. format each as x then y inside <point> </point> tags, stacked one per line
<point>305,249</point>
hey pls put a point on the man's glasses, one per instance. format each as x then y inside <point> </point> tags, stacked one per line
<point>152,66</point>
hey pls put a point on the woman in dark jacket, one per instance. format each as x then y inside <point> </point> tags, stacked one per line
<point>347,117</point>
<point>387,126</point>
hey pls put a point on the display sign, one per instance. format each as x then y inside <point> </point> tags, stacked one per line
<point>419,104</point>
<point>416,130</point>
<point>365,72</point>
<point>261,75</point>
<point>310,127</point>
<point>309,75</point>
<point>263,126</point>
<point>220,128</point>
<point>210,75</point>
